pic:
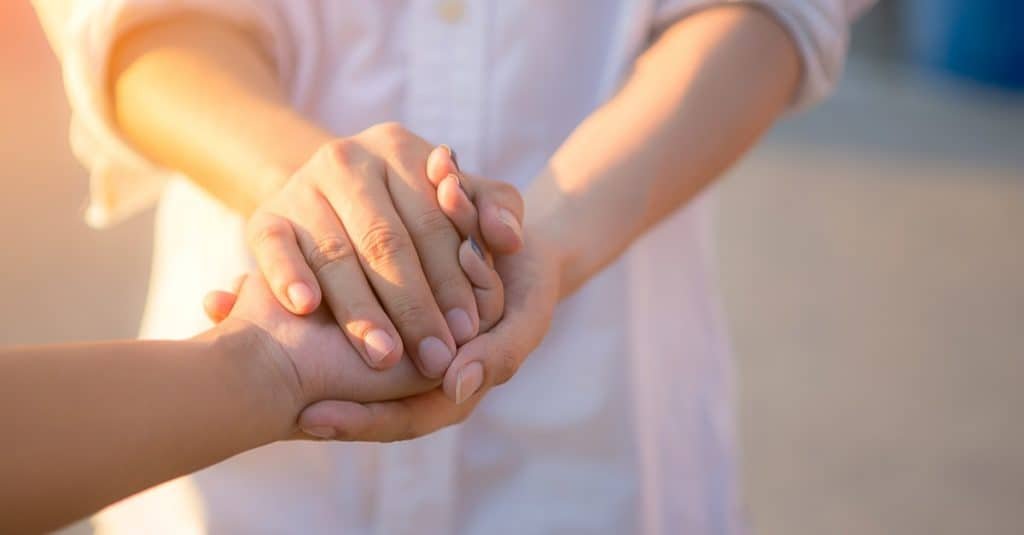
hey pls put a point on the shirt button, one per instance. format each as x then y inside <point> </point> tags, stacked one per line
<point>451,11</point>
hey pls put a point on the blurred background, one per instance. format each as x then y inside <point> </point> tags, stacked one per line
<point>871,255</point>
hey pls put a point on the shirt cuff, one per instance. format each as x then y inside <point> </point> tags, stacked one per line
<point>820,30</point>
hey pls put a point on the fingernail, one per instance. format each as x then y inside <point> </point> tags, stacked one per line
<point>300,295</point>
<point>434,357</point>
<point>379,344</point>
<point>510,221</point>
<point>459,324</point>
<point>458,181</point>
<point>476,248</point>
<point>471,376</point>
<point>319,432</point>
<point>451,155</point>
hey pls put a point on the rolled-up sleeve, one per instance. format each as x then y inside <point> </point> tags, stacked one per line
<point>122,181</point>
<point>820,30</point>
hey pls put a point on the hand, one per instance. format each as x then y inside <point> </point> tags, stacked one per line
<point>476,205</point>
<point>531,292</point>
<point>360,222</point>
<point>310,356</point>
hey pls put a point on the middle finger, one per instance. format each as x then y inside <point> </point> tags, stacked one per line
<point>360,196</point>
<point>437,242</point>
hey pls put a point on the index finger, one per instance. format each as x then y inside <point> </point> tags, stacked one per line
<point>389,259</point>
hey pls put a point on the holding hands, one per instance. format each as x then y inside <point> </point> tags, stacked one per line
<point>397,240</point>
<point>360,225</point>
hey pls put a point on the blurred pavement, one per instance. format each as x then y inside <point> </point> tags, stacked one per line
<point>872,260</point>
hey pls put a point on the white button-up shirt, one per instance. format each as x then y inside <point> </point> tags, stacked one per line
<point>620,422</point>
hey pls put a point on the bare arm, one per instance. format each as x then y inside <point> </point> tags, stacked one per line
<point>199,95</point>
<point>88,424</point>
<point>695,103</point>
<point>352,217</point>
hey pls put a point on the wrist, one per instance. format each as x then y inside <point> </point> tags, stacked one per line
<point>257,370</point>
<point>546,229</point>
<point>280,163</point>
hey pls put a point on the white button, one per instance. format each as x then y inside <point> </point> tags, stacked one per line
<point>451,11</point>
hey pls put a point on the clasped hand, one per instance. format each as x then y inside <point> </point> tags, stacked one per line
<point>379,303</point>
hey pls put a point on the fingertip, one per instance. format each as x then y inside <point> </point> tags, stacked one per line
<point>440,164</point>
<point>501,230</point>
<point>449,384</point>
<point>468,381</point>
<point>462,326</point>
<point>449,193</point>
<point>302,297</point>
<point>462,384</point>
<point>457,206</point>
<point>474,264</point>
<point>218,304</point>
<point>477,250</point>
<point>434,357</point>
<point>511,222</point>
<point>383,349</point>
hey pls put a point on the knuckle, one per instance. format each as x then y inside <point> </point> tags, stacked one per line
<point>408,311</point>
<point>268,231</point>
<point>361,315</point>
<point>392,137</point>
<point>388,129</point>
<point>433,225</point>
<point>340,152</point>
<point>505,194</point>
<point>449,283</point>
<point>383,245</point>
<point>327,252</point>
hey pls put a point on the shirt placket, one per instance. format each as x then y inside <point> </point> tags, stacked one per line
<point>443,103</point>
<point>445,84</point>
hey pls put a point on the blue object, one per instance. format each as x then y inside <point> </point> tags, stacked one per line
<point>978,39</point>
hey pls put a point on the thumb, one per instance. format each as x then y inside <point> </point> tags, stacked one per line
<point>499,204</point>
<point>218,304</point>
<point>500,208</point>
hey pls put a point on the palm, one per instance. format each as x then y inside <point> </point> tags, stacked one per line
<point>325,363</point>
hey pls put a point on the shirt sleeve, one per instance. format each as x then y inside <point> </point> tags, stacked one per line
<point>122,181</point>
<point>820,30</point>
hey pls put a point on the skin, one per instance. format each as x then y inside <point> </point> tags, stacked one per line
<point>245,383</point>
<point>640,156</point>
<point>697,100</point>
<point>351,220</point>
<point>97,422</point>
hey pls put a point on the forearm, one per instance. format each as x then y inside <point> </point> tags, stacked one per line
<point>200,96</point>
<point>89,424</point>
<point>696,102</point>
